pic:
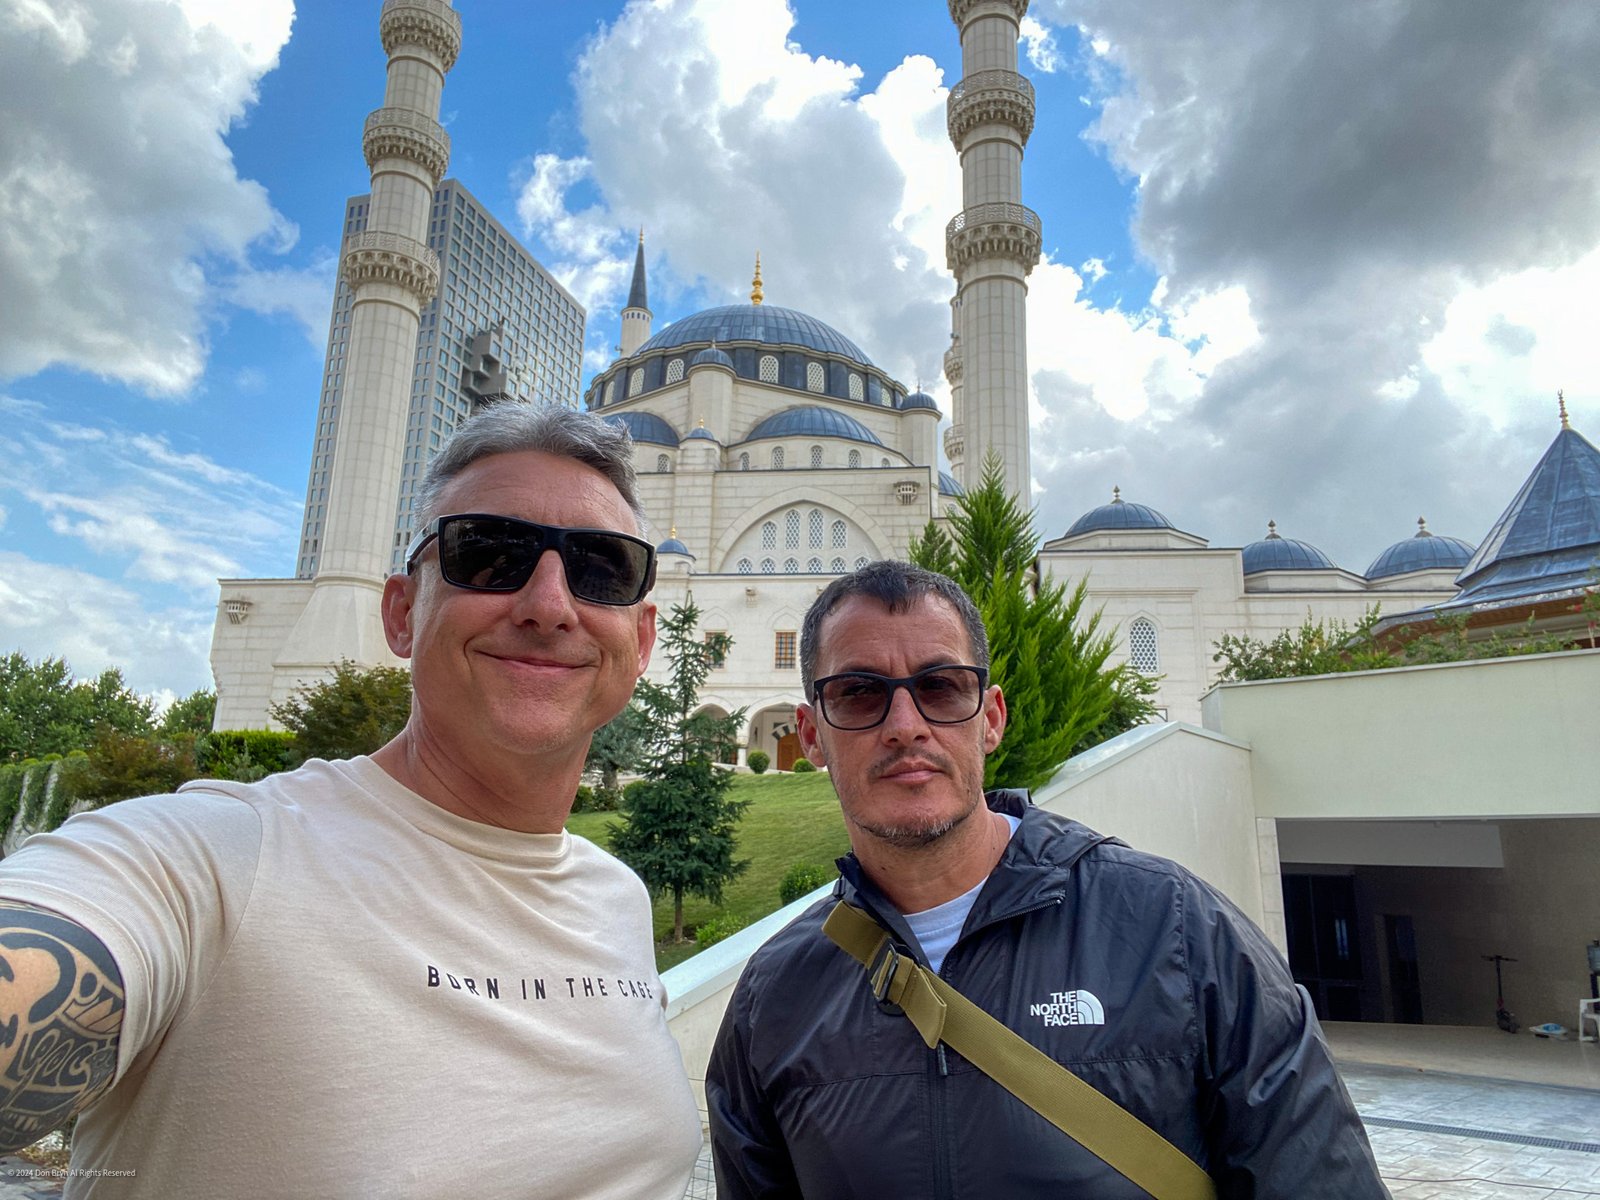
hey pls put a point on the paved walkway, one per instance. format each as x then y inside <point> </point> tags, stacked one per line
<point>1453,1114</point>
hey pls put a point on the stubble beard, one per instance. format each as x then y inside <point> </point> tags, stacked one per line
<point>919,835</point>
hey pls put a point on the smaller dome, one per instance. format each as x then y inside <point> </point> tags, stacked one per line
<point>700,433</point>
<point>919,400</point>
<point>1278,553</point>
<point>673,546</point>
<point>645,427</point>
<point>711,356</point>
<point>1119,514</point>
<point>948,485</point>
<point>809,420</point>
<point>1422,551</point>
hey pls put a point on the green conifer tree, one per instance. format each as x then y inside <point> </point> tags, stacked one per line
<point>677,831</point>
<point>1046,651</point>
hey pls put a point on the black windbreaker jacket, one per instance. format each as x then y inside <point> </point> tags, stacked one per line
<point>1122,966</point>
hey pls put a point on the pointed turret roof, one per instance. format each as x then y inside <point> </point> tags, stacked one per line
<point>637,297</point>
<point>1548,539</point>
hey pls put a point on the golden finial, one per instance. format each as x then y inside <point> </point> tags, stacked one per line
<point>1116,495</point>
<point>641,235</point>
<point>674,532</point>
<point>1422,527</point>
<point>1561,405</point>
<point>1272,530</point>
<point>755,284</point>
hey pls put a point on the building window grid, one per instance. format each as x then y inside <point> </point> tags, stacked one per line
<point>791,566</point>
<point>816,457</point>
<point>814,565</point>
<point>814,529</point>
<point>769,535</point>
<point>777,458</point>
<point>855,458</point>
<point>791,529</point>
<point>783,650</point>
<point>768,566</point>
<point>675,370</point>
<point>838,535</point>
<point>837,566</point>
<point>1144,647</point>
<point>768,370</point>
<point>816,377</point>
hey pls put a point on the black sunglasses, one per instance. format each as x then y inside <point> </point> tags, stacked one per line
<point>861,700</point>
<point>486,553</point>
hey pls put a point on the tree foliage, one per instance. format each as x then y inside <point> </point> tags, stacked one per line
<point>1331,646</point>
<point>618,745</point>
<point>195,714</point>
<point>44,710</point>
<point>679,822</point>
<point>1047,653</point>
<point>353,712</point>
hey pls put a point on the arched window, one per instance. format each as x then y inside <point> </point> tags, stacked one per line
<point>814,565</point>
<point>636,381</point>
<point>791,529</point>
<point>675,370</point>
<point>861,562</point>
<point>884,463</point>
<point>744,566</point>
<point>816,377</point>
<point>814,529</point>
<point>837,566</point>
<point>769,536</point>
<point>769,368</point>
<point>768,566</point>
<point>777,458</point>
<point>1143,649</point>
<point>856,391</point>
<point>855,458</point>
<point>663,463</point>
<point>744,461</point>
<point>791,566</point>
<point>611,392</point>
<point>816,457</point>
<point>838,535</point>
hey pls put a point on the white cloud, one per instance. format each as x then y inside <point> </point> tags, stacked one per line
<point>119,201</point>
<point>95,622</point>
<point>1039,45</point>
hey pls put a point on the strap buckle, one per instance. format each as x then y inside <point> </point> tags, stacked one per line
<point>882,970</point>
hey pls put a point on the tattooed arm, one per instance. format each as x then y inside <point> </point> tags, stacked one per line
<point>60,1018</point>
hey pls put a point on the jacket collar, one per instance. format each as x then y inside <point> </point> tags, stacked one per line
<point>1032,872</point>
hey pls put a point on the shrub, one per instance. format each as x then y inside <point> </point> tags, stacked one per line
<point>801,879</point>
<point>631,790</point>
<point>597,799</point>
<point>724,925</point>
<point>802,765</point>
<point>121,765</point>
<point>759,761</point>
<point>246,755</point>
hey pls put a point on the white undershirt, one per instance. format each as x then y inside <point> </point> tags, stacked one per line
<point>937,928</point>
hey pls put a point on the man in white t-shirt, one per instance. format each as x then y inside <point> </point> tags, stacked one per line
<point>394,976</point>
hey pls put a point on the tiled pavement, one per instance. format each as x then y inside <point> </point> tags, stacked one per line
<point>1440,1126</point>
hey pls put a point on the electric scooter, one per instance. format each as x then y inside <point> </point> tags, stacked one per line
<point>1502,1017</point>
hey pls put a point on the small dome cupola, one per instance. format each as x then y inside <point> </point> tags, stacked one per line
<point>1422,551</point>
<point>1119,514</point>
<point>1278,553</point>
<point>646,427</point>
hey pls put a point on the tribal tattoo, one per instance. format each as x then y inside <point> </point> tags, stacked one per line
<point>61,1005</point>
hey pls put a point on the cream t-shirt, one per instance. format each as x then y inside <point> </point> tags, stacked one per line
<point>336,988</point>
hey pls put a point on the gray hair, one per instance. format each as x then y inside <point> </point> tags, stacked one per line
<point>898,585</point>
<point>509,427</point>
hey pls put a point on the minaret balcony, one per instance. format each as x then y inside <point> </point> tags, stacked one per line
<point>961,11</point>
<point>955,444</point>
<point>990,98</point>
<point>953,370</point>
<point>405,133</point>
<point>392,258</point>
<point>430,24</point>
<point>997,230</point>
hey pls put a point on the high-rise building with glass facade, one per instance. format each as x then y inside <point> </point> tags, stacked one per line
<point>500,326</point>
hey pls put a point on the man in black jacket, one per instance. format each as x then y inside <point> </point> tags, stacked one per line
<point>1121,966</point>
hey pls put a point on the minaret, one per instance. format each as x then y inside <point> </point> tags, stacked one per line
<point>991,245</point>
<point>392,273</point>
<point>636,317</point>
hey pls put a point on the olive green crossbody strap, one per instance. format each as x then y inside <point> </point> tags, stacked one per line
<point>942,1014</point>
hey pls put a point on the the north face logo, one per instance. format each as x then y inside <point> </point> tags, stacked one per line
<point>1070,1008</point>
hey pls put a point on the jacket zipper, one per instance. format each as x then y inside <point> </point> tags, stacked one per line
<point>938,1073</point>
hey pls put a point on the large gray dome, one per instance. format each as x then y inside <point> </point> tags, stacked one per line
<point>764,323</point>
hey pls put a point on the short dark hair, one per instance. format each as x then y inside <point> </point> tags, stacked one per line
<point>897,585</point>
<point>510,426</point>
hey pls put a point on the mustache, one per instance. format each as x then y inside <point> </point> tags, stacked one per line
<point>922,757</point>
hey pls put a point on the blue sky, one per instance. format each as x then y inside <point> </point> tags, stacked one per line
<point>1323,264</point>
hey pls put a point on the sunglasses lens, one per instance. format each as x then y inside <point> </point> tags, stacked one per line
<point>487,553</point>
<point>948,695</point>
<point>604,568</point>
<point>854,701</point>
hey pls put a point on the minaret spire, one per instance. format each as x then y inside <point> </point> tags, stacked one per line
<point>636,317</point>
<point>1561,407</point>
<point>756,294</point>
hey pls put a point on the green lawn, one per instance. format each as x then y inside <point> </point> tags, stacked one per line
<point>791,819</point>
